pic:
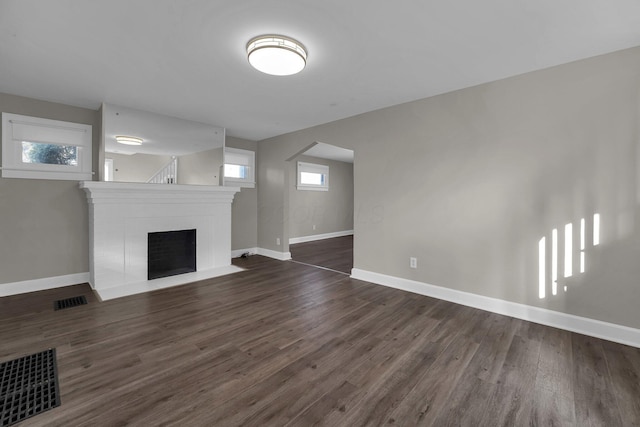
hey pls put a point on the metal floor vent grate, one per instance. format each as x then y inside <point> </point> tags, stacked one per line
<point>69,302</point>
<point>28,387</point>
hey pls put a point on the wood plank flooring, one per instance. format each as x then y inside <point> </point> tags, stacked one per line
<point>335,253</point>
<point>285,344</point>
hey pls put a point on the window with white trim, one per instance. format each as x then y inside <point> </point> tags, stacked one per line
<point>45,149</point>
<point>312,176</point>
<point>239,167</point>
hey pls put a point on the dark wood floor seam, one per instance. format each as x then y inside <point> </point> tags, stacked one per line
<point>320,267</point>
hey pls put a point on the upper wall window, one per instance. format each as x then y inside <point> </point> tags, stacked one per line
<point>45,149</point>
<point>312,176</point>
<point>239,167</point>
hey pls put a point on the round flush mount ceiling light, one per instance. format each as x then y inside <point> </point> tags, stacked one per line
<point>129,140</point>
<point>276,55</point>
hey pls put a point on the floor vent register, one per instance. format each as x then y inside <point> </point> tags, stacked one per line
<point>28,387</point>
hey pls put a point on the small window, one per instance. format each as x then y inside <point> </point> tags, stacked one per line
<point>236,171</point>
<point>239,167</point>
<point>49,154</point>
<point>313,177</point>
<point>45,149</point>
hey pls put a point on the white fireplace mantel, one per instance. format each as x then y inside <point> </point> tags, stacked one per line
<point>122,214</point>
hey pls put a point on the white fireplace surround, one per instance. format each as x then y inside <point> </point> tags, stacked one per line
<point>122,214</point>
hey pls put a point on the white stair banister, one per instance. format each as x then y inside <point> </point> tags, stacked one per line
<point>167,175</point>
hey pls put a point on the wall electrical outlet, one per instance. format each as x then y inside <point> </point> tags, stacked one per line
<point>278,241</point>
<point>314,226</point>
<point>413,262</point>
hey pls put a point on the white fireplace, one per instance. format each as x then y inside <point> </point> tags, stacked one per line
<point>121,215</point>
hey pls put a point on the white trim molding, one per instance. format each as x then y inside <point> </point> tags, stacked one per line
<point>313,238</point>
<point>582,325</point>
<point>237,253</point>
<point>35,285</point>
<point>281,256</point>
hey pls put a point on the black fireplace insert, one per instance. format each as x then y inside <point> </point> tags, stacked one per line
<point>171,253</point>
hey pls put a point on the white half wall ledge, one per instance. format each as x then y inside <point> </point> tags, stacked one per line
<point>313,238</point>
<point>582,325</point>
<point>34,285</point>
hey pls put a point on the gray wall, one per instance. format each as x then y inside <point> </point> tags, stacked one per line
<point>200,168</point>
<point>468,182</point>
<point>244,210</point>
<point>44,224</point>
<point>137,167</point>
<point>330,211</point>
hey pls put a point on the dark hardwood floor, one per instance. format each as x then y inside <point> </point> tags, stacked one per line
<point>335,254</point>
<point>287,344</point>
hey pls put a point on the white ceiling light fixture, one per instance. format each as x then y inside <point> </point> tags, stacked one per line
<point>276,55</point>
<point>129,140</point>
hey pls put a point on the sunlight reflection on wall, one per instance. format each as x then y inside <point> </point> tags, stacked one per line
<point>568,254</point>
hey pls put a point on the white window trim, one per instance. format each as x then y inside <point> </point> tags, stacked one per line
<point>50,132</point>
<point>313,168</point>
<point>108,169</point>
<point>248,159</point>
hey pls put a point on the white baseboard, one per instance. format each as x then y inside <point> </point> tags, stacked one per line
<point>281,256</point>
<point>35,285</point>
<point>304,239</point>
<point>238,252</point>
<point>582,325</point>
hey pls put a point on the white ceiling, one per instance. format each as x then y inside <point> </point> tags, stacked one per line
<point>187,58</point>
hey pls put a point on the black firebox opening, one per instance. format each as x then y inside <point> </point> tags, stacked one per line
<point>171,253</point>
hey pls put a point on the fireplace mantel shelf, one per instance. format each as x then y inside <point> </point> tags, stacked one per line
<point>121,215</point>
<point>106,192</point>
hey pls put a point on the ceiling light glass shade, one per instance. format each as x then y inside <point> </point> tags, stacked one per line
<point>129,140</point>
<point>276,55</point>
